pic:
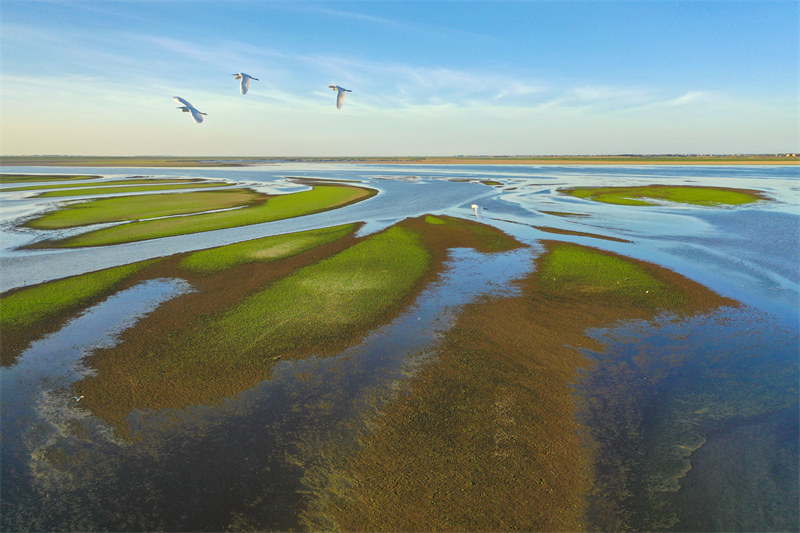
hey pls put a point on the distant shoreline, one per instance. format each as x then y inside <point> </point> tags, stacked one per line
<point>589,161</point>
<point>148,161</point>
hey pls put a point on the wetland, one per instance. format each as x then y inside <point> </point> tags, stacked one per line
<point>342,346</point>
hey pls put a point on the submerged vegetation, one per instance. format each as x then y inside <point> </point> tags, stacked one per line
<point>651,194</point>
<point>655,399</point>
<point>484,436</point>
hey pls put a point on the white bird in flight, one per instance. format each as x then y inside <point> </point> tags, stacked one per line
<point>186,107</point>
<point>340,95</point>
<point>245,83</point>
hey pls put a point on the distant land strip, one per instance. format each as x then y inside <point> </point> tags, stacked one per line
<point>632,159</point>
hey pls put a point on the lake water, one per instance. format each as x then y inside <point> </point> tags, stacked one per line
<point>715,395</point>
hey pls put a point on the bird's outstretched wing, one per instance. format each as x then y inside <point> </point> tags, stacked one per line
<point>244,86</point>
<point>182,101</point>
<point>196,115</point>
<point>340,99</point>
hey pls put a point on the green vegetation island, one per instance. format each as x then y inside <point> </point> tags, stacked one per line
<point>223,161</point>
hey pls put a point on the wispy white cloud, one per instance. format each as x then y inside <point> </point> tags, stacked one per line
<point>691,97</point>
<point>57,49</point>
<point>514,88</point>
<point>626,95</point>
<point>223,53</point>
<point>362,17</point>
<point>608,98</point>
<point>596,98</point>
<point>405,85</point>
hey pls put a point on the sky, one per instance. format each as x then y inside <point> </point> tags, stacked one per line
<point>427,78</point>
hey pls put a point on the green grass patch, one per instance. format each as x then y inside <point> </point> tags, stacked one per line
<point>645,195</point>
<point>320,198</point>
<point>21,178</point>
<point>262,250</point>
<point>434,220</point>
<point>28,306</point>
<point>142,206</point>
<point>573,269</point>
<point>329,299</point>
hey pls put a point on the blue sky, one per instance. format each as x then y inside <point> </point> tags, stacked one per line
<point>428,78</point>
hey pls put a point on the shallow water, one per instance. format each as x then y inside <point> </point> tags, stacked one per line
<point>692,383</point>
<point>241,463</point>
<point>38,407</point>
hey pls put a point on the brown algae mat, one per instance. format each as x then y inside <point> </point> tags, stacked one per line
<point>484,437</point>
